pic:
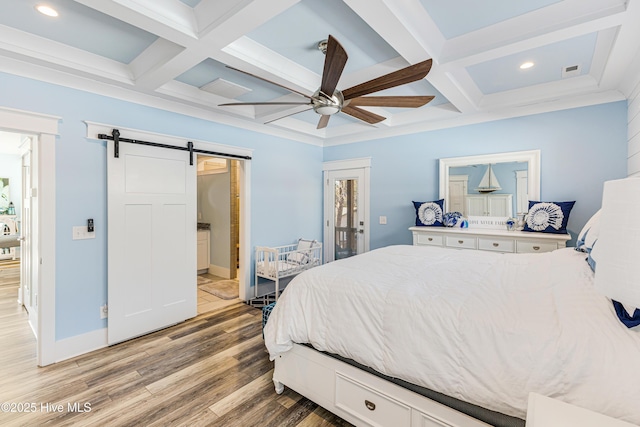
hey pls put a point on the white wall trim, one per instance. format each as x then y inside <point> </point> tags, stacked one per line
<point>334,165</point>
<point>81,344</point>
<point>44,158</point>
<point>216,270</point>
<point>244,275</point>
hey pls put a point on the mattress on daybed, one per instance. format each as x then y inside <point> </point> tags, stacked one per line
<point>481,327</point>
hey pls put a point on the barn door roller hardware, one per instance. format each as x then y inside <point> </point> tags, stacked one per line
<point>115,137</point>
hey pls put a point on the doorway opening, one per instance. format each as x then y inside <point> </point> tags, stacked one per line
<point>20,298</point>
<point>218,252</point>
<point>346,208</point>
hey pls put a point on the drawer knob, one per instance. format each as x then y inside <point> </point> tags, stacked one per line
<point>430,239</point>
<point>495,245</point>
<point>370,405</point>
<point>461,241</point>
<point>536,248</point>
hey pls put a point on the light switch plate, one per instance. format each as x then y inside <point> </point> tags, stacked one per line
<point>383,220</point>
<point>81,232</point>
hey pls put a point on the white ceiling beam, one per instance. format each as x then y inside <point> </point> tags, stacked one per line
<point>38,50</point>
<point>169,19</point>
<point>222,29</point>
<point>553,23</point>
<point>383,20</point>
<point>625,48</point>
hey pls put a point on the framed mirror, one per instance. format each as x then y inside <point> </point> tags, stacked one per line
<point>496,186</point>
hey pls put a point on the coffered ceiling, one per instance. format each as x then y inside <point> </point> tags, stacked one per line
<point>173,54</point>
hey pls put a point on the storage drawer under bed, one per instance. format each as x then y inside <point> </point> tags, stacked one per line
<point>369,405</point>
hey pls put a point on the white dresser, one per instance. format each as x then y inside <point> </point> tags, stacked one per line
<point>488,239</point>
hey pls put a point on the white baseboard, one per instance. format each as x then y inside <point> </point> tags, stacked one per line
<point>216,270</point>
<point>81,344</point>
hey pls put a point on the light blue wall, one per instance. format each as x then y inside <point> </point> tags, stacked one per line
<point>580,149</point>
<point>286,186</point>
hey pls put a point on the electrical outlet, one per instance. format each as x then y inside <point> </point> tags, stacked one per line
<point>80,233</point>
<point>383,220</point>
<point>104,311</point>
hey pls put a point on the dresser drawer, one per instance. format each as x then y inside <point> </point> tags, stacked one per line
<point>496,244</point>
<point>527,247</point>
<point>369,405</point>
<point>428,239</point>
<point>464,242</point>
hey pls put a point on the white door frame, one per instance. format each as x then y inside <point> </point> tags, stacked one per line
<point>337,165</point>
<point>26,264</point>
<point>244,276</point>
<point>43,161</point>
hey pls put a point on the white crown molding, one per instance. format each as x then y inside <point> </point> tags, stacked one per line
<point>32,71</point>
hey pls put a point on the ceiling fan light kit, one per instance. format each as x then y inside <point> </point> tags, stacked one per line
<point>328,100</point>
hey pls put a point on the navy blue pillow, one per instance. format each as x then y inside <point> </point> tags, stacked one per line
<point>429,213</point>
<point>548,217</point>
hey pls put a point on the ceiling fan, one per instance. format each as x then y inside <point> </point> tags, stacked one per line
<point>328,100</point>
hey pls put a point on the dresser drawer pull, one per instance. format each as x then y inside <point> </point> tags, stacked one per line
<point>536,248</point>
<point>370,405</point>
<point>461,241</point>
<point>430,239</point>
<point>495,245</point>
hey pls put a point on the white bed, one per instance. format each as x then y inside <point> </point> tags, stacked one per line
<point>481,327</point>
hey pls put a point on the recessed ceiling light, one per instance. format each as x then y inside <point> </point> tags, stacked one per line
<point>47,10</point>
<point>526,65</point>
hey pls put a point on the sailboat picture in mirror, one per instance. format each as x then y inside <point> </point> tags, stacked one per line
<point>491,187</point>
<point>489,183</point>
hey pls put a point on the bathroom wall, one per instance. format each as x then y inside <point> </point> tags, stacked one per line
<point>214,207</point>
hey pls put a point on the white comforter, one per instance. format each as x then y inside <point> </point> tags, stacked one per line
<point>485,328</point>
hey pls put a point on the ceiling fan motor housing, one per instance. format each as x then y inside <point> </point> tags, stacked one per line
<point>327,105</point>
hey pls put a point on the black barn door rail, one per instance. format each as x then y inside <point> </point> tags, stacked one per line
<point>115,137</point>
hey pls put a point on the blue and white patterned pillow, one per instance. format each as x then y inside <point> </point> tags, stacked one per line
<point>429,213</point>
<point>548,217</point>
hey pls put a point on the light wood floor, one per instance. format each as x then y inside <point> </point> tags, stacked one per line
<point>208,302</point>
<point>211,370</point>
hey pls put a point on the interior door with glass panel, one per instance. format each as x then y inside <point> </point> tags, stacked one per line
<point>345,213</point>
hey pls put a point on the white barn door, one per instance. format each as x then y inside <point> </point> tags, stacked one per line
<point>151,239</point>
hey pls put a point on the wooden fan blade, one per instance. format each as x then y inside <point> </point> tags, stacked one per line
<point>234,104</point>
<point>269,81</point>
<point>406,75</point>
<point>364,115</point>
<point>288,115</point>
<point>334,62</point>
<point>323,122</point>
<point>391,101</point>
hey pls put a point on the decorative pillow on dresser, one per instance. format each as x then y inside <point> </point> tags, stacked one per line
<point>548,217</point>
<point>429,213</point>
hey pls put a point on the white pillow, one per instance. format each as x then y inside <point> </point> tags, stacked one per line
<point>589,233</point>
<point>303,251</point>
